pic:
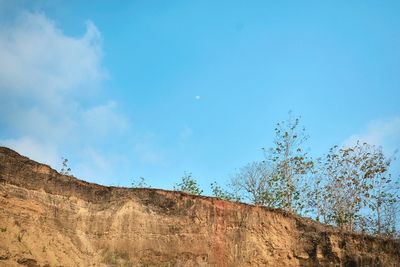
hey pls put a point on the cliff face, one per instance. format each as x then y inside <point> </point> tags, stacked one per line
<point>51,219</point>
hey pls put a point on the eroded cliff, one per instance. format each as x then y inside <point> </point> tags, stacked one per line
<point>49,219</point>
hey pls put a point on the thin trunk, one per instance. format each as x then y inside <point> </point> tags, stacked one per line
<point>318,205</point>
<point>378,207</point>
<point>378,212</point>
<point>351,224</point>
<point>288,178</point>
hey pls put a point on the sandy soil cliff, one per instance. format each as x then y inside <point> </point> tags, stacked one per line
<point>49,219</point>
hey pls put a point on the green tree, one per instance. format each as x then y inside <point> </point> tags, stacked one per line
<point>257,182</point>
<point>384,198</point>
<point>313,192</point>
<point>65,169</point>
<point>221,193</point>
<point>290,160</point>
<point>188,185</point>
<point>390,218</point>
<point>351,179</point>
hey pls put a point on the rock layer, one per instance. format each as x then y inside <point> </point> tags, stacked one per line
<point>49,219</point>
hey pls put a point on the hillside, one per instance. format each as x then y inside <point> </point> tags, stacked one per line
<point>49,219</point>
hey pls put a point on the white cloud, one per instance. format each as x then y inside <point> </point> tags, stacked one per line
<point>45,76</point>
<point>385,133</point>
<point>40,62</point>
<point>93,165</point>
<point>27,146</point>
<point>103,119</point>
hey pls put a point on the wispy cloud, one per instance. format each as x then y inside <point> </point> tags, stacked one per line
<point>149,154</point>
<point>44,151</point>
<point>40,63</point>
<point>185,134</point>
<point>385,133</point>
<point>45,77</point>
<point>103,119</point>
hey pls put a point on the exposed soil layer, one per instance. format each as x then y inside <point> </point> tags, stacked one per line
<point>49,219</point>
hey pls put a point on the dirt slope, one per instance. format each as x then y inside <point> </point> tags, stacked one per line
<point>49,219</point>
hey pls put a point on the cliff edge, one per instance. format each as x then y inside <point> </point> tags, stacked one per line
<point>49,219</point>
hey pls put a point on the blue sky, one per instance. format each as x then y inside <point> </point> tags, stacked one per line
<point>156,88</point>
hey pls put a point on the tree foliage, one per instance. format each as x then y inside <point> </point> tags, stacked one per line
<point>255,181</point>
<point>350,187</point>
<point>188,185</point>
<point>290,160</point>
<point>224,194</point>
<point>65,169</point>
<point>140,183</point>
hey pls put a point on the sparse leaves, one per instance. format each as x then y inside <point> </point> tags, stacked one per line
<point>140,183</point>
<point>221,193</point>
<point>256,182</point>
<point>350,180</point>
<point>65,169</point>
<point>188,185</point>
<point>290,162</point>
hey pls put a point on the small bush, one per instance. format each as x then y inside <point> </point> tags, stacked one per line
<point>188,185</point>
